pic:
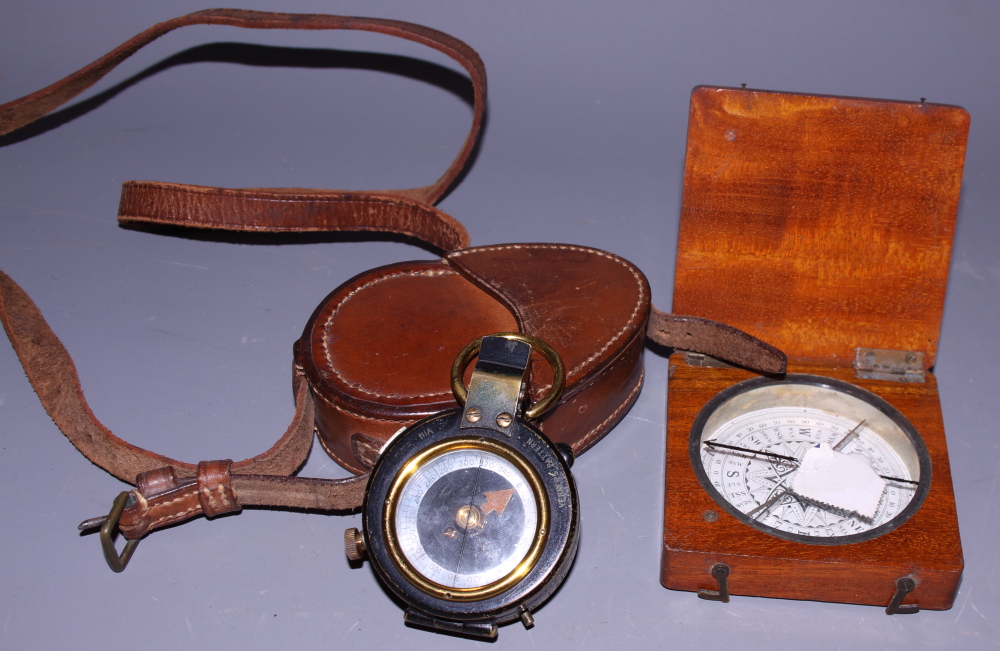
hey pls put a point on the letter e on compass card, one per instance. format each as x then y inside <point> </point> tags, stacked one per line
<point>824,226</point>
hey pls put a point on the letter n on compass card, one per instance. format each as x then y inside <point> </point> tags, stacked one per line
<point>822,225</point>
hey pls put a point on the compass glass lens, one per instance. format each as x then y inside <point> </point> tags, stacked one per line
<point>466,518</point>
<point>808,460</point>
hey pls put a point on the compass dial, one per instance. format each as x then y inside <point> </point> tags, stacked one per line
<point>466,518</point>
<point>810,459</point>
<point>470,527</point>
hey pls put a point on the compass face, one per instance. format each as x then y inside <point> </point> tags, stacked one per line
<point>810,459</point>
<point>467,518</point>
<point>473,524</point>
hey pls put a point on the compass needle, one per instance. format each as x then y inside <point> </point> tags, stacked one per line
<point>808,462</point>
<point>467,522</point>
<point>850,436</point>
<point>763,508</point>
<point>496,501</point>
<point>771,455</point>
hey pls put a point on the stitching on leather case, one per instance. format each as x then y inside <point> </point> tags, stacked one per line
<point>329,321</point>
<point>207,492</point>
<point>355,468</point>
<point>166,518</point>
<point>600,377</point>
<point>604,254</point>
<point>354,415</point>
<point>365,451</point>
<point>223,497</point>
<point>628,401</point>
<point>583,442</point>
<point>604,373</point>
<point>562,247</point>
<point>173,501</point>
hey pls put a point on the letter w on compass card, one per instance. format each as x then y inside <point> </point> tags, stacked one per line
<point>822,225</point>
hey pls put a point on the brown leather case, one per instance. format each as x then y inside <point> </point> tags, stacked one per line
<point>378,350</point>
<point>823,225</point>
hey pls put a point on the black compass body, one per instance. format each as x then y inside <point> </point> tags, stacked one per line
<point>471,516</point>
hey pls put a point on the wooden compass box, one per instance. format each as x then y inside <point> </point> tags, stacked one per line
<point>822,225</point>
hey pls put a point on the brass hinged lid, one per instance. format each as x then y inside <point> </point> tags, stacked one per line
<point>820,224</point>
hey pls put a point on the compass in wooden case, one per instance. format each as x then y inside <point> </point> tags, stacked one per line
<point>822,225</point>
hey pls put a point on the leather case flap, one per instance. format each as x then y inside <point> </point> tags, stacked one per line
<point>586,303</point>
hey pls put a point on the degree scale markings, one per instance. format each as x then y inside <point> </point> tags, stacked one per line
<point>753,480</point>
<point>438,472</point>
<point>794,460</point>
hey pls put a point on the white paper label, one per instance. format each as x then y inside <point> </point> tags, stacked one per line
<point>844,481</point>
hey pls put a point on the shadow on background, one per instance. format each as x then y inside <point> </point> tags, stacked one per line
<point>266,56</point>
<point>273,239</point>
<point>273,57</point>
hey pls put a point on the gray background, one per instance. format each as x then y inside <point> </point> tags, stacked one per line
<point>183,344</point>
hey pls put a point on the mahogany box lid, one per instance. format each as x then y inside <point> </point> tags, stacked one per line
<point>820,224</point>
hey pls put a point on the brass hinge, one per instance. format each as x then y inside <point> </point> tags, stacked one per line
<point>893,365</point>
<point>700,359</point>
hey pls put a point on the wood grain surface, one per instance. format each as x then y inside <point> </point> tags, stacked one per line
<point>820,224</point>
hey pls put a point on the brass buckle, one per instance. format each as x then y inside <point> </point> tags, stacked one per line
<point>115,561</point>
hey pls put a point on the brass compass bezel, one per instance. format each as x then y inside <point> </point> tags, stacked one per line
<point>426,456</point>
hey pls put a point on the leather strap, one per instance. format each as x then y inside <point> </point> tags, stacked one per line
<point>279,209</point>
<point>215,492</point>
<point>698,335</point>
<point>168,490</point>
<point>53,376</point>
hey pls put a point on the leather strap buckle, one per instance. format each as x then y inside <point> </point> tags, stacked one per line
<point>109,524</point>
